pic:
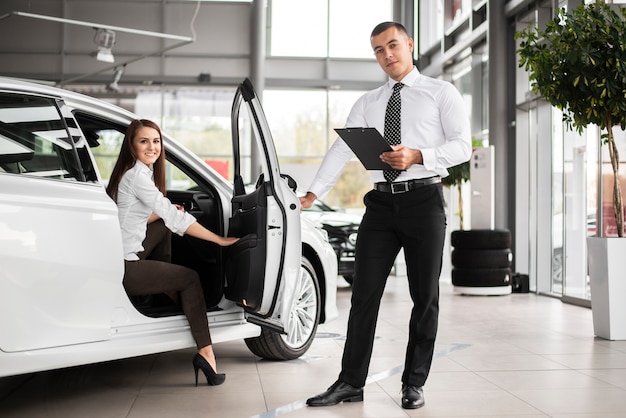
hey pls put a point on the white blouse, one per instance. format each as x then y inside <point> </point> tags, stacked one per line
<point>137,198</point>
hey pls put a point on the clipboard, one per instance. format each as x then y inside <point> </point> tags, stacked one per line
<point>367,144</point>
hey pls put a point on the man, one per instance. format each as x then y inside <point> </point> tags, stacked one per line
<point>404,210</point>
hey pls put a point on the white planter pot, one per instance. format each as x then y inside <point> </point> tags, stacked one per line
<point>607,274</point>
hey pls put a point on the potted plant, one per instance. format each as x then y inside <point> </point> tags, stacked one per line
<point>458,175</point>
<point>578,64</point>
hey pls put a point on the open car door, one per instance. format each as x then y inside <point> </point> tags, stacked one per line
<point>262,268</point>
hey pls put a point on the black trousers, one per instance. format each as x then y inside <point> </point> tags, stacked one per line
<point>414,221</point>
<point>154,273</point>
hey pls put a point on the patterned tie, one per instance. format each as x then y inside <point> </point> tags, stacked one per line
<point>392,126</point>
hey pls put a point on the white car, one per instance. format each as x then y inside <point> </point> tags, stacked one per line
<point>62,302</point>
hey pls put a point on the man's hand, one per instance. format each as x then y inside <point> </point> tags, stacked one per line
<point>307,200</point>
<point>401,158</point>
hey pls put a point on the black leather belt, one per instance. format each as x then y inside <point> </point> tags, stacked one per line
<point>405,186</point>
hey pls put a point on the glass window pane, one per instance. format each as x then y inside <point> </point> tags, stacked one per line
<point>430,23</point>
<point>106,153</point>
<point>340,103</point>
<point>34,140</point>
<point>109,137</point>
<point>609,225</point>
<point>580,166</point>
<point>177,179</point>
<point>355,181</point>
<point>558,221</point>
<point>297,119</point>
<point>351,24</point>
<point>302,124</point>
<point>298,28</point>
<point>199,119</point>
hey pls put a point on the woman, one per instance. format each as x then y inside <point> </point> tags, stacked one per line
<point>137,185</point>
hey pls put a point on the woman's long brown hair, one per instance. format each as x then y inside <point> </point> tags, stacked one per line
<point>127,158</point>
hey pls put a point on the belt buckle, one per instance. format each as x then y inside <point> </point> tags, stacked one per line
<point>404,188</point>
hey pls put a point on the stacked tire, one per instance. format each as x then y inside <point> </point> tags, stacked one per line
<point>481,261</point>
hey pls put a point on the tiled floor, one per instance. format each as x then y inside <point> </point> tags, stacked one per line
<point>519,355</point>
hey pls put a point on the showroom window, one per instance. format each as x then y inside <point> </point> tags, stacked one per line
<point>303,131</point>
<point>302,28</point>
<point>198,118</point>
<point>430,23</point>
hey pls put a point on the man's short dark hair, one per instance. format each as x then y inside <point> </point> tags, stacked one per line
<point>381,27</point>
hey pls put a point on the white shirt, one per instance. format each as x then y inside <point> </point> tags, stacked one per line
<point>137,198</point>
<point>434,120</point>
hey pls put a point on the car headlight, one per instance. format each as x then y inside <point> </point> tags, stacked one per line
<point>352,238</point>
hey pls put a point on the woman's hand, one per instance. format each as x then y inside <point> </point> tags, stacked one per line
<point>198,231</point>
<point>226,241</point>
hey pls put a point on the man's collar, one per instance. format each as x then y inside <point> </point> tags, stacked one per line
<point>408,79</point>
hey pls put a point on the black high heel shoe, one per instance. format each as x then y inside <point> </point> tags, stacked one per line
<point>212,378</point>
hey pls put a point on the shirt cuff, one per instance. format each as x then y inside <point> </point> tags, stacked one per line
<point>429,159</point>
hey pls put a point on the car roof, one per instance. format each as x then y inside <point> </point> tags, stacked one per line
<point>47,89</point>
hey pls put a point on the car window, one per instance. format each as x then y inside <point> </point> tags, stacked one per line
<point>37,140</point>
<point>105,139</point>
<point>176,179</point>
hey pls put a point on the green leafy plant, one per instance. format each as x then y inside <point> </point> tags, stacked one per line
<point>458,175</point>
<point>578,64</point>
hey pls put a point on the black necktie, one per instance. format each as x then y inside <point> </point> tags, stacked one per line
<point>392,126</point>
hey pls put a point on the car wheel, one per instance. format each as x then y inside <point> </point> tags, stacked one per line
<point>302,323</point>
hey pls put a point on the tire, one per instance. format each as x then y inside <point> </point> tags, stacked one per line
<point>481,277</point>
<point>302,324</point>
<point>466,258</point>
<point>481,239</point>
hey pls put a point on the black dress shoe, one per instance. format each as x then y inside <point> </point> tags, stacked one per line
<point>338,392</point>
<point>412,397</point>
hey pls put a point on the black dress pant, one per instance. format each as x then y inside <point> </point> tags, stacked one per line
<point>415,221</point>
<point>154,273</point>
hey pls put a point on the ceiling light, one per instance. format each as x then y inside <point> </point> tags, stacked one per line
<point>104,40</point>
